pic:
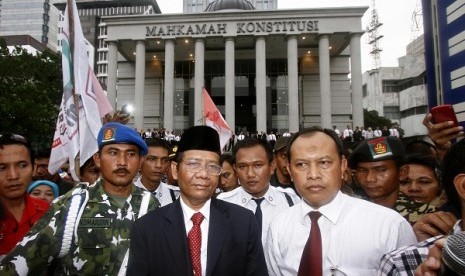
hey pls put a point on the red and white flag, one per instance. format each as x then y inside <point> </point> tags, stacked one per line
<point>214,119</point>
<point>77,134</point>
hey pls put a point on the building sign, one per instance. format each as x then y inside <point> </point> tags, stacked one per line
<point>445,53</point>
<point>233,29</point>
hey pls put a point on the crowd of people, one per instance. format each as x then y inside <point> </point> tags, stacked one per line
<point>300,204</point>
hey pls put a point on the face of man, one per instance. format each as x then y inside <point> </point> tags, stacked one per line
<point>119,164</point>
<point>154,166</point>
<point>43,192</point>
<point>316,168</point>
<point>281,161</point>
<point>228,179</point>
<point>90,173</point>
<point>15,171</point>
<point>419,183</point>
<point>379,179</point>
<point>196,187</point>
<point>41,169</point>
<point>254,170</point>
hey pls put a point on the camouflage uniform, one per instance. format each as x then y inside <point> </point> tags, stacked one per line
<point>411,210</point>
<point>103,237</point>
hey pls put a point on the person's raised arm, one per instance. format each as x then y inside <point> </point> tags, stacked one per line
<point>442,134</point>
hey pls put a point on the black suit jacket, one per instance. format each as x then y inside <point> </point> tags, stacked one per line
<point>159,243</point>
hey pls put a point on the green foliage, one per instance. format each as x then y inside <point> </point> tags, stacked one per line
<point>30,93</point>
<point>373,120</point>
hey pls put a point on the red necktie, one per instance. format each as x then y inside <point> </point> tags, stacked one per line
<point>311,263</point>
<point>195,243</point>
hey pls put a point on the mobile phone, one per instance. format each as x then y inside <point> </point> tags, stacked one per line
<point>443,113</point>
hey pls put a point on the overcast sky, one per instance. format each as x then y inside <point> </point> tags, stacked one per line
<point>396,16</point>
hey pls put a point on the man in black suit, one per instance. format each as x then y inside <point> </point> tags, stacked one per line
<point>171,241</point>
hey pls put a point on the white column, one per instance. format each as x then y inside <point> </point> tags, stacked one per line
<point>140,84</point>
<point>199,80</point>
<point>112,73</point>
<point>325,89</point>
<point>293,86</point>
<point>229,73</point>
<point>168,114</point>
<point>260,82</point>
<point>356,75</point>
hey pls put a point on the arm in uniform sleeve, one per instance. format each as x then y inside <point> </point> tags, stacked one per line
<point>34,253</point>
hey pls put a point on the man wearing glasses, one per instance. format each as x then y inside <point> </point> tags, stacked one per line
<point>197,234</point>
<point>19,212</point>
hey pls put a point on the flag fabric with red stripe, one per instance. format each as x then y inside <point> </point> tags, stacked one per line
<point>214,119</point>
<point>77,128</point>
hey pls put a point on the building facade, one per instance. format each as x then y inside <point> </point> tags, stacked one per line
<point>399,93</point>
<point>193,6</point>
<point>266,70</point>
<point>90,13</point>
<point>37,19</point>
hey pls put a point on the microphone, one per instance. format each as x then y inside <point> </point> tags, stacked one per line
<point>453,255</point>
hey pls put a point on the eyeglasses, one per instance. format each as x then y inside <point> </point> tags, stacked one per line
<point>11,138</point>
<point>196,166</point>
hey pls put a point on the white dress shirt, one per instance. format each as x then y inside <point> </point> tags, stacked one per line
<point>355,235</point>
<point>275,201</point>
<point>188,213</point>
<point>163,192</point>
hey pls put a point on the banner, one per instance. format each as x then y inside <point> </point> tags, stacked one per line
<point>214,119</point>
<point>77,128</point>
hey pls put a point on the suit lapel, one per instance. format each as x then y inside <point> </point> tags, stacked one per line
<point>175,234</point>
<point>217,232</point>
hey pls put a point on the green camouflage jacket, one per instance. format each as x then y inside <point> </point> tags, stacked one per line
<point>412,210</point>
<point>102,237</point>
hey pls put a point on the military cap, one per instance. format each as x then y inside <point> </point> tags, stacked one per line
<point>377,149</point>
<point>116,133</point>
<point>200,138</point>
<point>281,143</point>
<point>173,150</point>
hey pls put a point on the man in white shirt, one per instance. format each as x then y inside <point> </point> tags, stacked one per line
<point>254,165</point>
<point>355,234</point>
<point>377,133</point>
<point>154,166</point>
<point>338,132</point>
<point>347,134</point>
<point>240,137</point>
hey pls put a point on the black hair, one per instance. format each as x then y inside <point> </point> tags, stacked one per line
<point>8,138</point>
<point>453,164</point>
<point>43,153</point>
<point>157,142</point>
<point>420,146</point>
<point>252,142</point>
<point>312,130</point>
<point>227,157</point>
<point>425,160</point>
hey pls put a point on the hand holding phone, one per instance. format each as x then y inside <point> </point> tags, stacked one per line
<point>444,113</point>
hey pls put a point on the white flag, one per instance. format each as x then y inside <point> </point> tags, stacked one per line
<point>77,134</point>
<point>214,119</point>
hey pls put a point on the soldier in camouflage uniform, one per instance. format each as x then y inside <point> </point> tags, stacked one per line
<point>103,224</point>
<point>377,169</point>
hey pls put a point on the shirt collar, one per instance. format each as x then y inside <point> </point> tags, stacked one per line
<point>270,195</point>
<point>331,211</point>
<point>188,211</point>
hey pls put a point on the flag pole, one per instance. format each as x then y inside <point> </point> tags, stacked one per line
<point>75,97</point>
